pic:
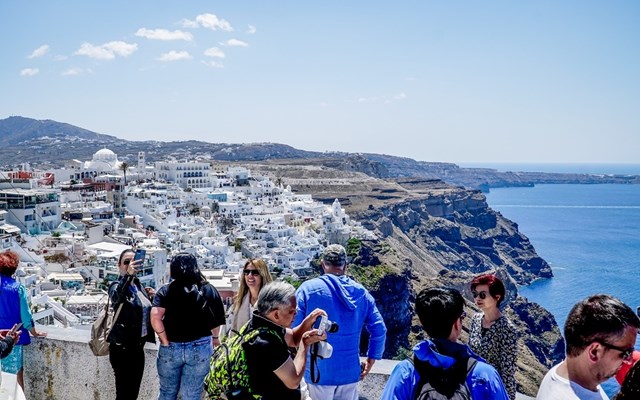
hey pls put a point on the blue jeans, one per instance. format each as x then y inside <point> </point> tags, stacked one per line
<point>182,368</point>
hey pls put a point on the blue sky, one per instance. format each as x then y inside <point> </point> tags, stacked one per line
<point>491,81</point>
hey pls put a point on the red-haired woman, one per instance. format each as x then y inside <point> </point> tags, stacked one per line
<point>14,309</point>
<point>491,334</point>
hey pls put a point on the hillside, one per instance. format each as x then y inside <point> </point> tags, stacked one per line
<point>18,131</point>
<point>49,143</point>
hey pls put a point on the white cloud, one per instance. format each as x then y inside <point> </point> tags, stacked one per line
<point>251,30</point>
<point>60,57</point>
<point>164,34</point>
<point>72,72</point>
<point>234,43</point>
<point>209,21</point>
<point>174,56</point>
<point>214,52</point>
<point>40,51</point>
<point>383,99</point>
<point>324,105</point>
<point>187,23</point>
<point>29,72</point>
<point>400,96</point>
<point>213,64</point>
<point>107,51</point>
<point>368,99</point>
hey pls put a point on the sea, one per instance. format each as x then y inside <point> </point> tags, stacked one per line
<point>589,234</point>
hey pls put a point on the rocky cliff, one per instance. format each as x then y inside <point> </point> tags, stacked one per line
<point>394,282</point>
<point>456,231</point>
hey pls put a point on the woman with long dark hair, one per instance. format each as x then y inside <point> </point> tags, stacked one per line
<point>491,334</point>
<point>132,329</point>
<point>186,315</point>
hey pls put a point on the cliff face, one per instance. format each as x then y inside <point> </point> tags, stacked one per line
<point>458,231</point>
<point>394,281</point>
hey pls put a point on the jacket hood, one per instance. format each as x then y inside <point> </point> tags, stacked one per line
<point>348,291</point>
<point>442,353</point>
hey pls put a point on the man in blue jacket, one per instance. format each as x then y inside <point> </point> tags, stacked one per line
<point>442,362</point>
<point>350,306</point>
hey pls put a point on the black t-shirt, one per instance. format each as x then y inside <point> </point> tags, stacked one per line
<point>265,354</point>
<point>190,312</point>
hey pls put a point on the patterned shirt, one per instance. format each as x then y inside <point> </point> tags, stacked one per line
<point>498,346</point>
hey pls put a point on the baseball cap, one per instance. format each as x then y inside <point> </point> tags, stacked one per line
<point>334,254</point>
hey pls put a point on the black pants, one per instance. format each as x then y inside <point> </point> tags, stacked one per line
<point>128,366</point>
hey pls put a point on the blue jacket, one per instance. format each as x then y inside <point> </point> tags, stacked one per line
<point>483,381</point>
<point>350,305</point>
<point>14,307</point>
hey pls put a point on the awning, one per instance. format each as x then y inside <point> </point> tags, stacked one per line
<point>7,228</point>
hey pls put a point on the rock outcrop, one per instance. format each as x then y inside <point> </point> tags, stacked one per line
<point>540,343</point>
<point>458,231</point>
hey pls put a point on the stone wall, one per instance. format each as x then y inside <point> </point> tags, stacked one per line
<point>62,367</point>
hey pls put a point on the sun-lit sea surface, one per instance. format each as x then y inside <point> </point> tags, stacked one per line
<point>589,234</point>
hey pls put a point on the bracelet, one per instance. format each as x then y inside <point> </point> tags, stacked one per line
<point>214,337</point>
<point>157,333</point>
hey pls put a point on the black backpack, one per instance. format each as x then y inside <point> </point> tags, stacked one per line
<point>439,384</point>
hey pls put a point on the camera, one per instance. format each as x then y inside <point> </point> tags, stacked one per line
<point>327,326</point>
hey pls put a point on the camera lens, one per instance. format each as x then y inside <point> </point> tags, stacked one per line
<point>333,328</point>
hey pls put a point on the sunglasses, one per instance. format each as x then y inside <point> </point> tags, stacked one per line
<point>482,295</point>
<point>253,272</point>
<point>624,353</point>
<point>463,316</point>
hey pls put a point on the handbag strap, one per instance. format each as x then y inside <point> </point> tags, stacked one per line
<point>115,317</point>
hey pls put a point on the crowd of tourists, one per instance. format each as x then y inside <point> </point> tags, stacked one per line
<point>278,342</point>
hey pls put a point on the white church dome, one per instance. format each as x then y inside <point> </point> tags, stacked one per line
<point>105,155</point>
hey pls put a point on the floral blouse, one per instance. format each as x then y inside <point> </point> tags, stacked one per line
<point>498,346</point>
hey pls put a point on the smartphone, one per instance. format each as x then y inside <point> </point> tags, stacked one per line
<point>16,327</point>
<point>140,254</point>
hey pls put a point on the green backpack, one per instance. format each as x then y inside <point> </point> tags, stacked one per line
<point>229,376</point>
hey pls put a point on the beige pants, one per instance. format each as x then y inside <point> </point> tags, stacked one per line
<point>332,392</point>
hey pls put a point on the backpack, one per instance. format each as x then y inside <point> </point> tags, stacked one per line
<point>439,384</point>
<point>101,328</point>
<point>228,377</point>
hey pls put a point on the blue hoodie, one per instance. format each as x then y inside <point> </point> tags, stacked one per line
<point>484,381</point>
<point>351,306</point>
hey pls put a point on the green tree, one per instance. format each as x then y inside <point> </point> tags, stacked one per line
<point>124,167</point>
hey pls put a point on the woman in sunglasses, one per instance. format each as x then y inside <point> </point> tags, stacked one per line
<point>132,329</point>
<point>491,334</point>
<point>253,277</point>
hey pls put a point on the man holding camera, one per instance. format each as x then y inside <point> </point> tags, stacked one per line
<point>334,369</point>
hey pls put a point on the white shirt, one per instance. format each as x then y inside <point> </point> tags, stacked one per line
<point>555,387</point>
